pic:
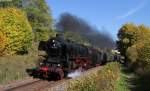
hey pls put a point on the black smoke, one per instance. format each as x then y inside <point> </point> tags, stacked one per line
<point>68,22</point>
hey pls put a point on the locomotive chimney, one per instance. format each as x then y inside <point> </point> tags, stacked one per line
<point>60,36</point>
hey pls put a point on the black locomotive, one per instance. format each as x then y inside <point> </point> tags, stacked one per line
<point>64,56</point>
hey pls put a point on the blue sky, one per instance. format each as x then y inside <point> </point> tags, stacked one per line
<point>110,14</point>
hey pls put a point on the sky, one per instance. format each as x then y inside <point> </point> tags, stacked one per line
<point>108,14</point>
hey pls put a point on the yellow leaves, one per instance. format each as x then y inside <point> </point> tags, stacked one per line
<point>133,43</point>
<point>126,41</point>
<point>143,28</point>
<point>3,41</point>
<point>16,30</point>
<point>144,55</point>
<point>101,80</point>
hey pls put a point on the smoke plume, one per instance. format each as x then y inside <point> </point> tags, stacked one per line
<point>68,22</point>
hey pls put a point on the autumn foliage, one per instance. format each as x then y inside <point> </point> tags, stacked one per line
<point>134,44</point>
<point>15,32</point>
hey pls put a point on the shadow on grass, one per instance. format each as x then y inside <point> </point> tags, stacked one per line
<point>136,82</point>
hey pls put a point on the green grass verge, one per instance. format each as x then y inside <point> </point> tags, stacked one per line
<point>122,83</point>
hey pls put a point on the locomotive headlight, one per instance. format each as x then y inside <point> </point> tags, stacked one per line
<point>53,41</point>
<point>54,44</point>
<point>58,65</point>
<point>41,64</point>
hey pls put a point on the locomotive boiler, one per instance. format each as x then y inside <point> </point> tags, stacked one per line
<point>64,56</point>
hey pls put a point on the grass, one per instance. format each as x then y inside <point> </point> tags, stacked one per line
<point>112,77</point>
<point>131,81</point>
<point>14,67</point>
<point>122,84</point>
<point>102,80</point>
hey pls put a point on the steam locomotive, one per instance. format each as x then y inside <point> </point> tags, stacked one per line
<point>65,56</point>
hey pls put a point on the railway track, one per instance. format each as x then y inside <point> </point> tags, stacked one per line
<point>15,86</point>
<point>34,85</point>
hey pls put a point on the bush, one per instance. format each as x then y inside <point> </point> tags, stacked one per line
<point>144,56</point>
<point>15,32</point>
<point>139,56</point>
<point>108,77</point>
<point>102,80</point>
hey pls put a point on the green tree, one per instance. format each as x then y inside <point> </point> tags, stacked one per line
<point>127,37</point>
<point>6,3</point>
<point>39,16</point>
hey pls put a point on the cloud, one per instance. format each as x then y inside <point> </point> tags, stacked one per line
<point>134,10</point>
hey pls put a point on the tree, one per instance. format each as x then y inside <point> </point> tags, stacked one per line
<point>40,18</point>
<point>38,14</point>
<point>133,43</point>
<point>15,32</point>
<point>127,37</point>
<point>6,3</point>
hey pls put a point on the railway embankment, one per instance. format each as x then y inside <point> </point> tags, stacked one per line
<point>103,78</point>
<point>13,68</point>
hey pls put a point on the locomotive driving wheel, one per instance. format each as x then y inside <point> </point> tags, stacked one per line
<point>59,74</point>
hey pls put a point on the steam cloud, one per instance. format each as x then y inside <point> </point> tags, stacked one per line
<point>74,74</point>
